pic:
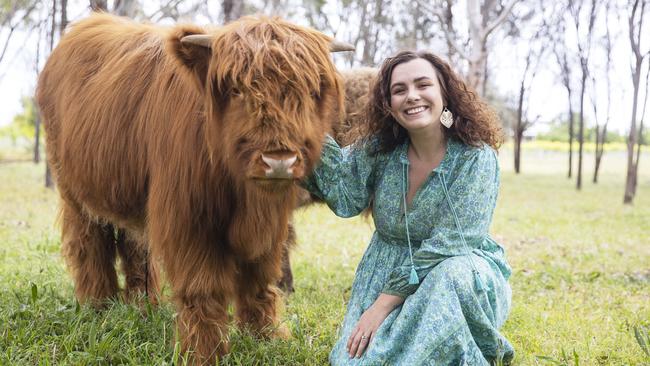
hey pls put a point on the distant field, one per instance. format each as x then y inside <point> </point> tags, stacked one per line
<point>581,276</point>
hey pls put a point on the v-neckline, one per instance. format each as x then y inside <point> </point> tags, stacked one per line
<point>406,183</point>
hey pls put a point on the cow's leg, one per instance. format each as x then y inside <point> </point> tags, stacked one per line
<point>89,251</point>
<point>202,280</point>
<point>257,297</point>
<point>286,281</point>
<point>140,271</point>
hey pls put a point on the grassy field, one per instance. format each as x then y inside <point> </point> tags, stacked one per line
<point>581,277</point>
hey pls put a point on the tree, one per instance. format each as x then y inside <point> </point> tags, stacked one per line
<point>536,50</point>
<point>601,131</point>
<point>562,56</point>
<point>584,43</point>
<point>635,30</point>
<point>483,18</point>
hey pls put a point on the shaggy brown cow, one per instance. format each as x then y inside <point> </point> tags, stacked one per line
<point>189,140</point>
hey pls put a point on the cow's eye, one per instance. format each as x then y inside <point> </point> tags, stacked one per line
<point>241,143</point>
<point>235,92</point>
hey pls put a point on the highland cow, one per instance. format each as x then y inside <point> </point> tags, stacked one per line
<point>189,140</point>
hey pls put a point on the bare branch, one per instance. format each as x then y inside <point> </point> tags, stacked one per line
<point>427,6</point>
<point>4,49</point>
<point>448,37</point>
<point>12,27</point>
<point>645,102</point>
<point>165,10</point>
<point>500,19</point>
<point>638,35</point>
<point>631,30</point>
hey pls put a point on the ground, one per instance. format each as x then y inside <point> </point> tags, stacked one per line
<point>581,276</point>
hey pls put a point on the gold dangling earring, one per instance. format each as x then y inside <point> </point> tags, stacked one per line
<point>446,118</point>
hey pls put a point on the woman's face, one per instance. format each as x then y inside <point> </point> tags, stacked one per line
<point>415,96</point>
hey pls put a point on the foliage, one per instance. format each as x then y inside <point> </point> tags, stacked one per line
<point>559,131</point>
<point>18,13</point>
<point>580,278</point>
<point>23,123</point>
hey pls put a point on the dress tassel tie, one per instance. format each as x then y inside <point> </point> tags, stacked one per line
<point>413,277</point>
<point>478,282</point>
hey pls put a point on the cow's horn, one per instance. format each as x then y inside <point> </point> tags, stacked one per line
<point>336,46</point>
<point>203,40</point>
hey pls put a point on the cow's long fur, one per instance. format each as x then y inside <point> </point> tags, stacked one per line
<point>162,139</point>
<point>357,83</point>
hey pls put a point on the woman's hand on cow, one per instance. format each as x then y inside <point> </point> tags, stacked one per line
<point>365,330</point>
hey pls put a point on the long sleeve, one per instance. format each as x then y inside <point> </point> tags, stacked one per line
<point>472,188</point>
<point>344,178</point>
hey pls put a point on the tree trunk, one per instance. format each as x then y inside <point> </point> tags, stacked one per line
<point>37,138</point>
<point>232,9</point>
<point>640,139</point>
<point>601,136</point>
<point>638,156</point>
<point>570,136</point>
<point>581,130</point>
<point>519,129</point>
<point>518,137</point>
<point>597,167</point>
<point>49,183</point>
<point>99,5</point>
<point>64,16</point>
<point>600,149</point>
<point>48,175</point>
<point>475,61</point>
<point>476,78</point>
<point>125,8</point>
<point>630,180</point>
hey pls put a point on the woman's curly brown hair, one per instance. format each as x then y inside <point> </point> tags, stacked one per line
<point>475,122</point>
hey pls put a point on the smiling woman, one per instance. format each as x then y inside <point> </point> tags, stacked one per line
<point>432,287</point>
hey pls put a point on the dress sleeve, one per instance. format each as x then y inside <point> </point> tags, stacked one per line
<point>473,193</point>
<point>344,178</point>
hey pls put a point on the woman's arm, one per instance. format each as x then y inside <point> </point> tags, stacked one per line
<point>344,178</point>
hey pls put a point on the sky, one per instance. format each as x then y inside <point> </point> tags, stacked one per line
<point>548,97</point>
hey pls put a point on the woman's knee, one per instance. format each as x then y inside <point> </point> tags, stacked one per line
<point>458,271</point>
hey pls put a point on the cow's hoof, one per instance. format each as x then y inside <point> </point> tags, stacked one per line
<point>281,331</point>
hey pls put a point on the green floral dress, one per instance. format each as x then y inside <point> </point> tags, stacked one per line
<point>455,277</point>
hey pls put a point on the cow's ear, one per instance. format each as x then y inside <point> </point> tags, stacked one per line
<point>191,47</point>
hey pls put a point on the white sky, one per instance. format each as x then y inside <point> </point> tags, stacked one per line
<point>548,98</point>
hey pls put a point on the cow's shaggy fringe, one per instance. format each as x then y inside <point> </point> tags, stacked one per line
<point>161,139</point>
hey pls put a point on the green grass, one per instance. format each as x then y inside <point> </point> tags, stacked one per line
<point>581,277</point>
